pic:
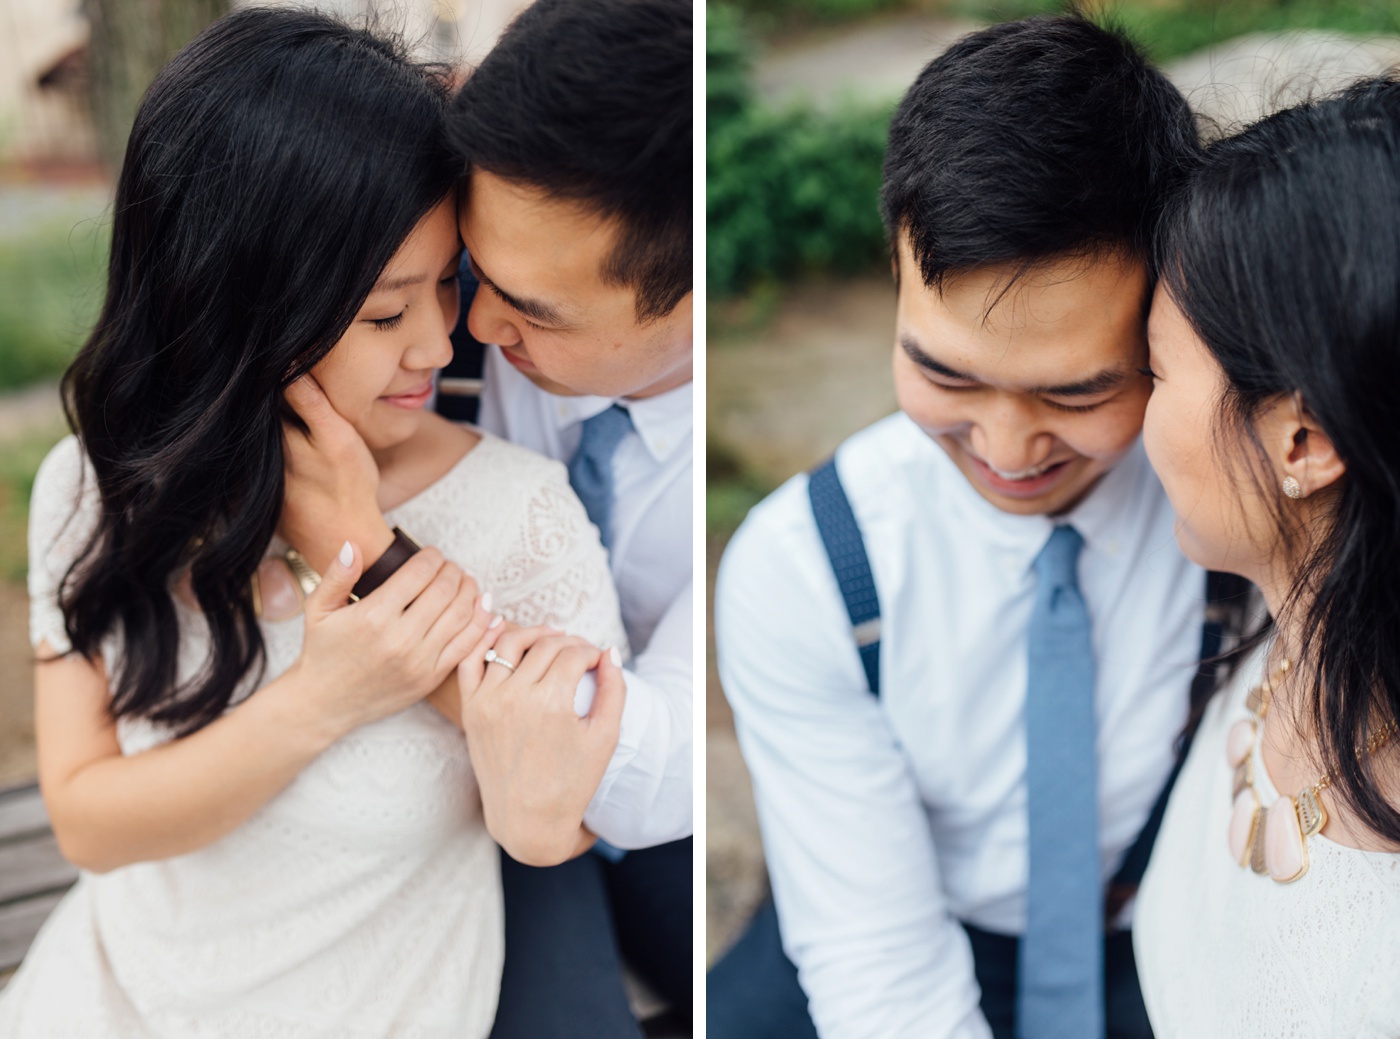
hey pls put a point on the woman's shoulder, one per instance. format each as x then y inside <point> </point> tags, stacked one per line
<point>62,468</point>
<point>65,488</point>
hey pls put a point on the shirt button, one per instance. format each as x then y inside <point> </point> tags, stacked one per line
<point>663,445</point>
<point>1113,546</point>
<point>563,411</point>
<point>1010,564</point>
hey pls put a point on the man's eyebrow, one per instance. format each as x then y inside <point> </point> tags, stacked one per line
<point>923,360</point>
<point>1107,380</point>
<point>1104,381</point>
<point>533,309</point>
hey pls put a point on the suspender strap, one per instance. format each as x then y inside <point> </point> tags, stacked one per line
<point>845,549</point>
<point>1224,592</point>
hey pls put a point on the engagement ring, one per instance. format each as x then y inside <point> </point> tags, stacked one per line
<point>491,658</point>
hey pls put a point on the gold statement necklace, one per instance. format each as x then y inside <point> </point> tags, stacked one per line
<point>1275,840</point>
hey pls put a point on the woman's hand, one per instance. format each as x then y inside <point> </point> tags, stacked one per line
<point>332,482</point>
<point>364,661</point>
<point>536,761</point>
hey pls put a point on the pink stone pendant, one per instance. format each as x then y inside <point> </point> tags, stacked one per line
<point>1242,822</point>
<point>1285,851</point>
<point>1239,742</point>
<point>281,595</point>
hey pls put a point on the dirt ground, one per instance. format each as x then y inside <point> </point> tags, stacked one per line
<point>783,395</point>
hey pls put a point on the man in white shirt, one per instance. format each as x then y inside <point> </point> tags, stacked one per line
<point>959,659</point>
<point>576,217</point>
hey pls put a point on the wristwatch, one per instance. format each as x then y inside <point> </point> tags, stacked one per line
<point>395,556</point>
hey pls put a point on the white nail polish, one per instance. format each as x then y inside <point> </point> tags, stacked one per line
<point>615,656</point>
<point>495,622</point>
<point>347,555</point>
<point>486,602</point>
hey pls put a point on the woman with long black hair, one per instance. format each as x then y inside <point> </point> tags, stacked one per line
<point>1272,904</point>
<point>277,832</point>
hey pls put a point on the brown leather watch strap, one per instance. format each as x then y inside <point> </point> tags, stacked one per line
<point>395,556</point>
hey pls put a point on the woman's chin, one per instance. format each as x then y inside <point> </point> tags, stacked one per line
<point>389,432</point>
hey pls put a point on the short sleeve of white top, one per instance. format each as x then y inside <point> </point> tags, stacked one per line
<point>1222,951</point>
<point>886,821</point>
<point>645,796</point>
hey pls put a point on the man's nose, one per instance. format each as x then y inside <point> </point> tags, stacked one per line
<point>489,320</point>
<point>1010,439</point>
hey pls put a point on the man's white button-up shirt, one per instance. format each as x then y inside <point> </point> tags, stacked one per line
<point>645,796</point>
<point>886,821</point>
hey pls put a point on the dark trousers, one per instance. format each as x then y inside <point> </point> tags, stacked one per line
<point>753,993</point>
<point>568,929</point>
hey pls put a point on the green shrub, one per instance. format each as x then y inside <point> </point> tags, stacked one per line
<point>786,192</point>
<point>51,283</point>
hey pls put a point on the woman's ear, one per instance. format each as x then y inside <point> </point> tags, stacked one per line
<point>1301,447</point>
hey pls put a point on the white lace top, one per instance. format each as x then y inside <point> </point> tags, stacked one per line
<point>364,900</point>
<point>1225,953</point>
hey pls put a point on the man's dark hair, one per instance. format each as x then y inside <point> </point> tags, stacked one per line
<point>590,100</point>
<point>1031,140</point>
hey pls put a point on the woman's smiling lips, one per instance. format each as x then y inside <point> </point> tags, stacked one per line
<point>412,399</point>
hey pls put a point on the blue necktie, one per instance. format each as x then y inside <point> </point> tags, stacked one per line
<point>591,475</point>
<point>590,470</point>
<point>1060,977</point>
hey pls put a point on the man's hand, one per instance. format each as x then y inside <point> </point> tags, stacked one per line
<point>537,762</point>
<point>332,482</point>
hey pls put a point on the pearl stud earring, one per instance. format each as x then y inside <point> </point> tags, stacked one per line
<point>1291,488</point>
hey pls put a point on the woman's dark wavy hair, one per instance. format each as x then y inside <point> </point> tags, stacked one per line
<point>1284,254</point>
<point>275,166</point>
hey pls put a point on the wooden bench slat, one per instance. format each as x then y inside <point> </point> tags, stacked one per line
<point>22,812</point>
<point>19,923</point>
<point>31,866</point>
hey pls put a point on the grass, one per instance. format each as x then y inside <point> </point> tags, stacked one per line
<point>51,283</point>
<point>19,461</point>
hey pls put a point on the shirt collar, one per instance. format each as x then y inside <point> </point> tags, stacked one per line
<point>663,422</point>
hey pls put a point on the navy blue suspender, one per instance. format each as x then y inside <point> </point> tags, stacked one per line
<point>845,548</point>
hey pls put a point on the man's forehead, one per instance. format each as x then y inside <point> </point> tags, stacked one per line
<point>1065,317</point>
